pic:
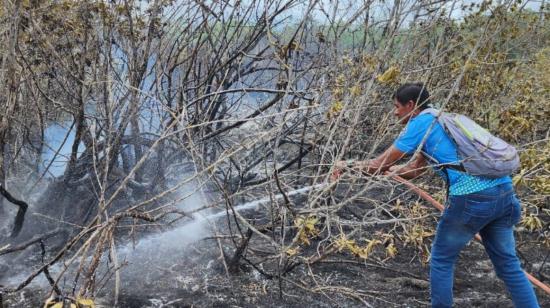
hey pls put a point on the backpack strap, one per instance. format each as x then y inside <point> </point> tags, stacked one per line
<point>437,114</point>
<point>443,167</point>
<point>430,110</point>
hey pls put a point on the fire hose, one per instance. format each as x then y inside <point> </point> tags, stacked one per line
<point>424,195</point>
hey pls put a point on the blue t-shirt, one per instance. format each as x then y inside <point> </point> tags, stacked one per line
<point>443,150</point>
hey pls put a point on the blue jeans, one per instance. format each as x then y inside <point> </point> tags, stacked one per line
<point>492,213</point>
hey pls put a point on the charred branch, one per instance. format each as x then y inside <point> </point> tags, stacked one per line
<point>39,239</point>
<point>20,217</point>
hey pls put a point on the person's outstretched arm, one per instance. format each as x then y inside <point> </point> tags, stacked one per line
<point>381,163</point>
<point>411,170</point>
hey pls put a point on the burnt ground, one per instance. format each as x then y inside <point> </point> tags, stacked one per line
<point>199,280</point>
<point>194,276</point>
<point>338,281</point>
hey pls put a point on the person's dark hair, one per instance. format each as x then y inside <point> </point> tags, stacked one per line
<point>416,92</point>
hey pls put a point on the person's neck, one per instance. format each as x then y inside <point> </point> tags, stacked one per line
<point>415,112</point>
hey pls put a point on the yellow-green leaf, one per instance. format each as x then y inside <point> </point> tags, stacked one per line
<point>389,75</point>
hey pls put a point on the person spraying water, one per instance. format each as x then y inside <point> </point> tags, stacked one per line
<point>480,195</point>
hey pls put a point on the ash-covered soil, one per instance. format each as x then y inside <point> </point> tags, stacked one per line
<point>185,269</point>
<point>198,279</point>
